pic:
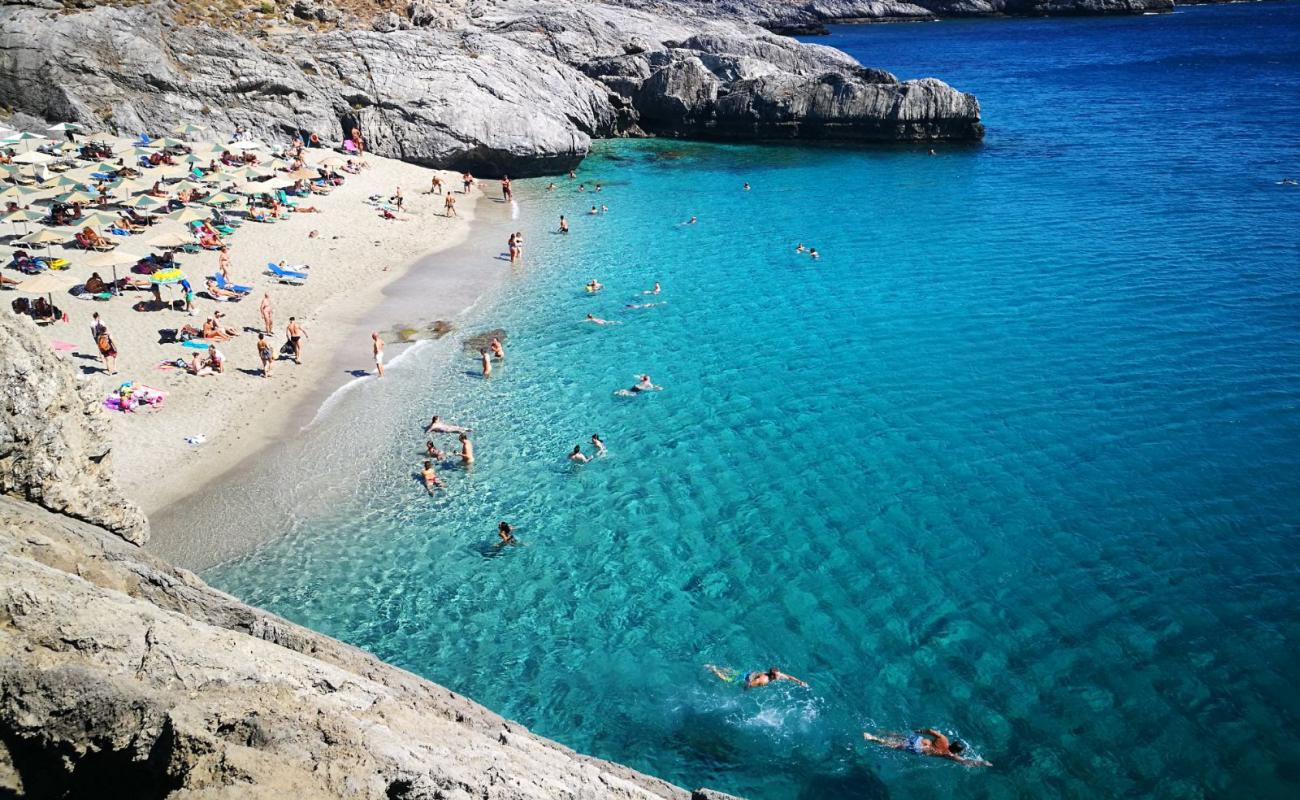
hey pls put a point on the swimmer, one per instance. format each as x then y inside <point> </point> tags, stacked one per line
<point>436,425</point>
<point>644,385</point>
<point>430,478</point>
<point>812,253</point>
<point>800,248</point>
<point>498,352</point>
<point>754,679</point>
<point>594,286</point>
<point>487,362</point>
<point>466,451</point>
<point>936,745</point>
<point>593,212</point>
<point>604,209</point>
<point>578,456</point>
<point>654,290</point>
<point>599,321</point>
<point>506,532</point>
<point>747,186</point>
<point>690,221</point>
<point>550,187</point>
<point>643,305</point>
<point>434,452</point>
<point>598,187</point>
<point>564,224</point>
<point>582,187</point>
<point>599,444</point>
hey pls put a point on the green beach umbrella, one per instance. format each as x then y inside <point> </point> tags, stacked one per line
<point>75,196</point>
<point>143,203</point>
<point>165,142</point>
<point>98,219</point>
<point>26,137</point>
<point>189,129</point>
<point>65,126</point>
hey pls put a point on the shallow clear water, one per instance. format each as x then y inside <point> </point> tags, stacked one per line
<point>1019,457</point>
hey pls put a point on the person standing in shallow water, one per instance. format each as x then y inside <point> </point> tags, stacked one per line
<point>507,194</point>
<point>564,224</point>
<point>377,346</point>
<point>498,352</point>
<point>466,451</point>
<point>487,362</point>
<point>506,532</point>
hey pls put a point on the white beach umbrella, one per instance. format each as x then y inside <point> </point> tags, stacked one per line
<point>167,239</point>
<point>33,157</point>
<point>251,144</point>
<point>111,259</point>
<point>26,137</point>
<point>190,214</point>
<point>65,126</point>
<point>143,203</point>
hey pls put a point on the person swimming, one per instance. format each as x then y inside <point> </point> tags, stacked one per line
<point>643,305</point>
<point>752,680</point>
<point>598,443</point>
<point>655,290</point>
<point>594,211</point>
<point>594,286</point>
<point>436,425</point>
<point>577,456</point>
<point>642,385</point>
<point>434,452</point>
<point>599,321</point>
<point>691,221</point>
<point>936,745</point>
<point>812,253</point>
<point>507,532</point>
<point>800,248</point>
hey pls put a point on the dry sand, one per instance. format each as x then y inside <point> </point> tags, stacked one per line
<point>354,257</point>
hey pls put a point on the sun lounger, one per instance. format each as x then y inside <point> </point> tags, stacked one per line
<point>220,281</point>
<point>285,275</point>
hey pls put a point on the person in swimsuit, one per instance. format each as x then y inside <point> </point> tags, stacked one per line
<point>434,452</point>
<point>654,290</point>
<point>927,742</point>
<point>436,425</point>
<point>577,456</point>
<point>597,443</point>
<point>644,385</point>
<point>377,345</point>
<point>296,335</point>
<point>430,478</point>
<point>752,680</point>
<point>599,321</point>
<point>564,224</point>
<point>466,451</point>
<point>498,352</point>
<point>264,354</point>
<point>506,532</point>
<point>594,286</point>
<point>487,362</point>
<point>265,310</point>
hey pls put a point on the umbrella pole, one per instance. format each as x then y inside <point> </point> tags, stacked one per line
<point>115,289</point>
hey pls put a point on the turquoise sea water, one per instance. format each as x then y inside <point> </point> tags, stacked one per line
<point>1018,458</point>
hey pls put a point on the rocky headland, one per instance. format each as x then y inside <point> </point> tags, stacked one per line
<point>122,676</point>
<point>499,86</point>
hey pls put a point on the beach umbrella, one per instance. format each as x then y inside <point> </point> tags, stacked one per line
<point>277,183</point>
<point>45,236</point>
<point>68,147</point>
<point>181,186</point>
<point>111,259</point>
<point>75,196</point>
<point>23,216</point>
<point>304,174</point>
<point>189,129</point>
<point>33,157</point>
<point>19,192</point>
<point>166,142</point>
<point>190,214</point>
<point>128,186</point>
<point>194,158</point>
<point>24,136</point>
<point>106,166</point>
<point>67,179</point>
<point>332,161</point>
<point>251,144</point>
<point>98,219</point>
<point>143,203</point>
<point>65,126</point>
<point>168,240</point>
<point>222,199</point>
<point>49,282</point>
<point>166,277</point>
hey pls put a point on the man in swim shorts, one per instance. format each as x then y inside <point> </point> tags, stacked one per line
<point>927,742</point>
<point>377,345</point>
<point>430,477</point>
<point>753,680</point>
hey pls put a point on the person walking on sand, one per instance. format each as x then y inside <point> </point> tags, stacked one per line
<point>466,451</point>
<point>265,310</point>
<point>507,194</point>
<point>937,745</point>
<point>104,341</point>
<point>296,334</point>
<point>264,354</point>
<point>435,186</point>
<point>449,205</point>
<point>487,362</point>
<point>223,264</point>
<point>498,352</point>
<point>468,182</point>
<point>755,679</point>
<point>377,345</point>
<point>430,478</point>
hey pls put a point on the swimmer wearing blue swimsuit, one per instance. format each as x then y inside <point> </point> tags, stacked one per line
<point>754,679</point>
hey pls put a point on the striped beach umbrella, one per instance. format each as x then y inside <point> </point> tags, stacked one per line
<point>166,277</point>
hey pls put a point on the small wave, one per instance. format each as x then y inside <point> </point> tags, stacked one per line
<point>330,402</point>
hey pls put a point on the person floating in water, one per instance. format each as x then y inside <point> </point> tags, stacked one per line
<point>642,305</point>
<point>577,456</point>
<point>936,745</point>
<point>436,425</point>
<point>747,186</point>
<point>752,680</point>
<point>430,478</point>
<point>599,321</point>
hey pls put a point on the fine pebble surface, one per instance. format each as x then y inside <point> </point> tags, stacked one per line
<point>1017,458</point>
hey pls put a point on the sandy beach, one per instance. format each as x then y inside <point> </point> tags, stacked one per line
<point>352,254</point>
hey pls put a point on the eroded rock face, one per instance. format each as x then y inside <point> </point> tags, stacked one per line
<point>120,672</point>
<point>518,86</point>
<point>54,436</point>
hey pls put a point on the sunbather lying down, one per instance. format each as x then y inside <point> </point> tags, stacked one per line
<point>5,280</point>
<point>219,294</point>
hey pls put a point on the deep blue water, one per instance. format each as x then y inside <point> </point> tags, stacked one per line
<point>1018,458</point>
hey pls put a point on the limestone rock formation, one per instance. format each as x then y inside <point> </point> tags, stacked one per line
<point>54,445</point>
<point>515,86</point>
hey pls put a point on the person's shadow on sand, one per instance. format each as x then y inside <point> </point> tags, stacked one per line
<point>357,373</point>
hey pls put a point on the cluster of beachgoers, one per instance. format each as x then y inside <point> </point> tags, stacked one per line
<point>149,260</point>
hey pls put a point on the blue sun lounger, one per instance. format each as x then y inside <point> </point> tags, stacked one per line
<point>220,281</point>
<point>287,275</point>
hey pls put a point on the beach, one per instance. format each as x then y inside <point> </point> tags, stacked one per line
<point>353,255</point>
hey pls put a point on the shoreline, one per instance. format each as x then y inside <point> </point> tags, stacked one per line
<point>446,283</point>
<point>240,413</point>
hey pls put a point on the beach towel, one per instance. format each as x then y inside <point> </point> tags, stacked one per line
<point>198,344</point>
<point>62,347</point>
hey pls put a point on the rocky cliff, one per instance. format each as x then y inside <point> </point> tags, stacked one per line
<point>518,86</point>
<point>121,676</point>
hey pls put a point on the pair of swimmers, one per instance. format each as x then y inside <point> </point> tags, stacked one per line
<point>923,742</point>
<point>579,457</point>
